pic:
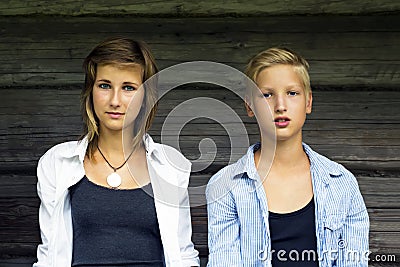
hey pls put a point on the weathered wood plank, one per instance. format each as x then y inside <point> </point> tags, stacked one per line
<point>380,190</point>
<point>383,238</point>
<point>344,125</point>
<point>359,157</point>
<point>341,50</point>
<point>194,8</point>
<point>13,220</point>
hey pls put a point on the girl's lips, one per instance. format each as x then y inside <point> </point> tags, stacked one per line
<point>115,115</point>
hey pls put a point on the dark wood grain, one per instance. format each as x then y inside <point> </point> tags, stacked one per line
<point>342,50</point>
<point>194,8</point>
<point>344,125</point>
<point>354,53</point>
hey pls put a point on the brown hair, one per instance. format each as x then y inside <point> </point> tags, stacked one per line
<point>122,52</point>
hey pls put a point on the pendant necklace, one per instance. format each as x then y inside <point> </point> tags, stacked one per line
<point>114,180</point>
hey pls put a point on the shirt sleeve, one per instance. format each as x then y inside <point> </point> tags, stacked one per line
<point>46,192</point>
<point>189,254</point>
<point>355,233</point>
<point>223,228</point>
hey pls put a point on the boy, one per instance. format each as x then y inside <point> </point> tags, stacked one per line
<point>292,208</point>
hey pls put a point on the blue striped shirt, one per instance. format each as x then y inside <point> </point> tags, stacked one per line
<point>238,230</point>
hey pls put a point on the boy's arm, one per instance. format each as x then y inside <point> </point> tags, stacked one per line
<point>223,230</point>
<point>355,233</point>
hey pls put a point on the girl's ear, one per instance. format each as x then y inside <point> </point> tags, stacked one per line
<point>309,103</point>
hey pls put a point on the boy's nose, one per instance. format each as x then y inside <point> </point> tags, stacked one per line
<point>280,104</point>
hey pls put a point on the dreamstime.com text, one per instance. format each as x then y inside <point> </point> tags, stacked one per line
<point>311,255</point>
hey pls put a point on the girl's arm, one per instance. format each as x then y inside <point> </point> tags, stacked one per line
<point>189,254</point>
<point>46,192</point>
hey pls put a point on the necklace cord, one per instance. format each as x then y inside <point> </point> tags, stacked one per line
<point>112,167</point>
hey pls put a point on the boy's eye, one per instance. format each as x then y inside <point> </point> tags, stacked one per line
<point>292,93</point>
<point>267,95</point>
<point>104,86</point>
<point>129,88</point>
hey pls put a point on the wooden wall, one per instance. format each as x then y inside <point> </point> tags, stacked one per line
<point>353,49</point>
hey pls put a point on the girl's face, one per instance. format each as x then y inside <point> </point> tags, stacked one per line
<point>117,93</point>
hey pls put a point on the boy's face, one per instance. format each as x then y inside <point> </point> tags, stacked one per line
<point>282,89</point>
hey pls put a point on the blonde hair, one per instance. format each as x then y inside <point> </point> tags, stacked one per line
<point>121,52</point>
<point>274,56</point>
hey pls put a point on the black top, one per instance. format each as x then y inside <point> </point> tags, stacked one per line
<point>114,227</point>
<point>293,238</point>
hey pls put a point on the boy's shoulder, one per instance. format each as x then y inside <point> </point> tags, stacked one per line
<point>226,178</point>
<point>231,171</point>
<point>336,171</point>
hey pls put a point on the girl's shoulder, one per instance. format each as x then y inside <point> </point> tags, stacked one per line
<point>170,156</point>
<point>67,149</point>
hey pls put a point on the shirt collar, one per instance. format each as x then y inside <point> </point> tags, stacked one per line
<point>321,162</point>
<point>151,149</point>
<point>246,165</point>
<point>81,147</point>
<point>78,150</point>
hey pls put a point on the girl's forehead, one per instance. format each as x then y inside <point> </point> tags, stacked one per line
<point>121,66</point>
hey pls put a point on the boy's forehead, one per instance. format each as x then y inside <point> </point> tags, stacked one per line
<point>286,76</point>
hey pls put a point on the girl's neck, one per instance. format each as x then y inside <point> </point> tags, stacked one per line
<point>111,142</point>
<point>114,143</point>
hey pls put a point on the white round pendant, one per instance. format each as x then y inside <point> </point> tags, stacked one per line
<point>114,180</point>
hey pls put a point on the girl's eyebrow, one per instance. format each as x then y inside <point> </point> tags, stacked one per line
<point>104,80</point>
<point>108,81</point>
<point>130,83</point>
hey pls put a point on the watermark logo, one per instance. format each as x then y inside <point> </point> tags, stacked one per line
<point>216,74</point>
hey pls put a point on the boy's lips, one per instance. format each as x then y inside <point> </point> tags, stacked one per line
<point>281,121</point>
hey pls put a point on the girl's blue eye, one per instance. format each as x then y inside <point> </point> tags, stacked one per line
<point>267,95</point>
<point>104,86</point>
<point>129,88</point>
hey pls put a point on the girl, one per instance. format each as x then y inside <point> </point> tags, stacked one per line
<point>96,206</point>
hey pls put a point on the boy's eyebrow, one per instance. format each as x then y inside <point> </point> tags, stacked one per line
<point>287,87</point>
<point>266,88</point>
<point>294,85</point>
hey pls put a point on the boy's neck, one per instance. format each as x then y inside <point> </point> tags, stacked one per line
<point>288,152</point>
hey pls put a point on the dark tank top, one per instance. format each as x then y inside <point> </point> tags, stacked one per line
<point>114,227</point>
<point>293,238</point>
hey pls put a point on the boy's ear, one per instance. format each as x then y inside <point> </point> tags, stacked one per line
<point>250,112</point>
<point>309,103</point>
